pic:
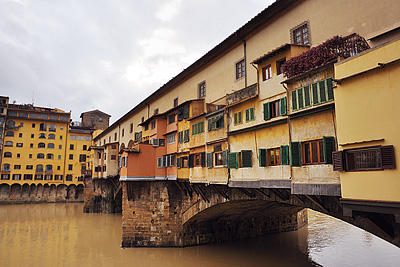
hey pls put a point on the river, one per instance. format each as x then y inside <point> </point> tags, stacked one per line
<point>61,235</point>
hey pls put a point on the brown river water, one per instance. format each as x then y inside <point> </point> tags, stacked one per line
<point>61,235</point>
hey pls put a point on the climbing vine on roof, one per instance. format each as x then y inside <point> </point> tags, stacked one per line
<point>324,53</point>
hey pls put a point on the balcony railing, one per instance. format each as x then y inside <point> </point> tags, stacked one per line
<point>241,95</point>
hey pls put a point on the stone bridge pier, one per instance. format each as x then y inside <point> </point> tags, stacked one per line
<point>176,214</point>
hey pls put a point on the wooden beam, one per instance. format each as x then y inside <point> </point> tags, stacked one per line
<point>316,202</point>
<point>222,193</point>
<point>244,191</point>
<point>261,191</point>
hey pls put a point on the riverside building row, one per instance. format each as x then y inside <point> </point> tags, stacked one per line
<point>260,110</point>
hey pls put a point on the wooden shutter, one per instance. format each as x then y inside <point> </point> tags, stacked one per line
<point>180,114</point>
<point>295,154</point>
<point>233,160</point>
<point>301,98</point>
<point>191,160</point>
<point>252,114</point>
<point>235,118</point>
<point>387,157</point>
<point>209,160</point>
<point>329,147</point>
<point>322,92</point>
<point>247,115</point>
<point>337,158</point>
<point>262,157</point>
<point>283,106</point>
<point>186,111</point>
<point>240,117</point>
<point>203,159</point>
<point>284,155</point>
<point>329,85</point>
<point>246,158</point>
<point>314,87</point>
<point>294,100</point>
<point>307,99</point>
<point>267,113</point>
<point>225,158</point>
<point>178,163</point>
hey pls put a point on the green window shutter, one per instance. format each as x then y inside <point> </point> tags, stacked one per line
<point>307,99</point>
<point>284,155</point>
<point>246,158</point>
<point>203,159</point>
<point>322,93</point>
<point>329,85</point>
<point>178,163</point>
<point>329,147</point>
<point>209,160</point>
<point>314,87</point>
<point>202,127</point>
<point>294,99</point>
<point>295,154</point>
<point>267,113</point>
<point>262,157</point>
<point>235,118</point>
<point>283,106</point>
<point>233,160</point>
<point>225,158</point>
<point>252,114</point>
<point>240,117</point>
<point>247,114</point>
<point>300,97</point>
<point>191,161</point>
<point>193,129</point>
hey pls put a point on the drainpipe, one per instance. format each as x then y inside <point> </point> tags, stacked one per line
<point>289,125</point>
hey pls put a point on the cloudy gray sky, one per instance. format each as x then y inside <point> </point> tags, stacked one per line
<point>81,55</point>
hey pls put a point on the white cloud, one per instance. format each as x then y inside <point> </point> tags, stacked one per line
<point>168,10</point>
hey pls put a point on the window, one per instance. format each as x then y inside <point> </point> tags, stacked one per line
<point>131,128</point>
<point>30,156</point>
<point>33,125</point>
<point>312,152</point>
<point>279,65</point>
<point>146,127</point>
<point>166,161</point>
<point>10,133</point>
<point>153,125</point>
<point>43,127</point>
<point>220,158</point>
<point>322,91</point>
<point>5,177</point>
<point>16,177</point>
<point>44,116</point>
<point>59,156</point>
<point>175,102</point>
<point>54,117</point>
<point>49,168</point>
<point>70,167</point>
<point>300,34</point>
<point>202,90</point>
<point>9,143</point>
<point>171,118</point>
<point>50,145</point>
<point>84,147</point>
<point>72,137</point>
<point>82,158</point>
<point>11,124</point>
<point>100,119</point>
<point>249,114</point>
<point>115,136</point>
<point>39,168</point>
<point>69,176</point>
<point>33,115</point>
<point>6,168</point>
<point>238,118</point>
<point>29,167</point>
<point>7,154</point>
<point>40,156</point>
<point>17,167</point>
<point>71,156</point>
<point>180,137</point>
<point>216,122</point>
<point>301,98</point>
<point>52,127</point>
<point>274,156</point>
<point>42,136</point>
<point>183,112</point>
<point>61,127</point>
<point>48,177</point>
<point>59,146</point>
<point>113,146</point>
<point>364,159</point>
<point>241,159</point>
<point>186,136</point>
<point>275,109</point>
<point>58,177</point>
<point>71,147</point>
<point>266,72</point>
<point>197,160</point>
<point>156,111</point>
<point>88,138</point>
<point>113,157</point>
<point>51,136</point>
<point>170,139</point>
<point>80,137</point>
<point>182,162</point>
<point>198,128</point>
<point>49,156</point>
<point>20,135</point>
<point>18,155</point>
<point>28,176</point>
<point>32,135</point>
<point>240,69</point>
<point>31,145</point>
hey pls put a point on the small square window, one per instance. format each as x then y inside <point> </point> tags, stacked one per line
<point>202,90</point>
<point>240,69</point>
<point>71,147</point>
<point>279,65</point>
<point>20,135</point>
<point>300,35</point>
<point>32,136</point>
<point>70,167</point>
<point>267,74</point>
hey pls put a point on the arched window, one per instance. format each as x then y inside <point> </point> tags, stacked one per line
<point>11,123</point>
<point>6,168</point>
<point>7,154</point>
<point>50,156</point>
<point>43,127</point>
<point>51,136</point>
<point>41,145</point>
<point>10,133</point>
<point>42,136</point>
<point>8,143</point>
<point>49,168</point>
<point>50,145</point>
<point>39,168</point>
<point>40,156</point>
<point>52,127</point>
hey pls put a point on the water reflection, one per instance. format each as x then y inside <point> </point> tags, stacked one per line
<point>61,235</point>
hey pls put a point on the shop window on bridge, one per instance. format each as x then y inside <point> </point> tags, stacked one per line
<point>275,108</point>
<point>249,114</point>
<point>242,159</point>
<point>5,176</point>
<point>182,162</point>
<point>364,159</point>
<point>28,176</point>
<point>312,152</point>
<point>186,137</point>
<point>238,118</point>
<point>197,160</point>
<point>216,122</point>
<point>198,128</point>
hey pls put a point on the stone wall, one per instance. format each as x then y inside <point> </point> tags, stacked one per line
<point>102,196</point>
<point>26,193</point>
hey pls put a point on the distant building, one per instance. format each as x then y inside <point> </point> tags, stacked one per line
<point>95,119</point>
<point>3,114</point>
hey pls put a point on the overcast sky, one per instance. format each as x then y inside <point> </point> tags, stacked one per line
<point>81,55</point>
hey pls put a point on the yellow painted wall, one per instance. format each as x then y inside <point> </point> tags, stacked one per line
<point>367,108</point>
